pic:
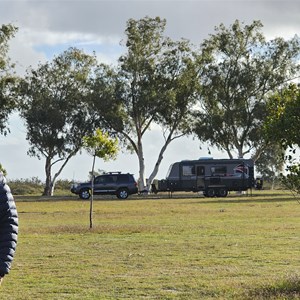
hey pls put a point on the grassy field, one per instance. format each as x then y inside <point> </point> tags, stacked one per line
<point>239,247</point>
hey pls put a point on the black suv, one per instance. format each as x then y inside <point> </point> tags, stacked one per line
<point>113,183</point>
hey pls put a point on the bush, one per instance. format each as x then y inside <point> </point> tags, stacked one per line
<point>292,180</point>
<point>34,186</point>
<point>26,186</point>
<point>63,185</point>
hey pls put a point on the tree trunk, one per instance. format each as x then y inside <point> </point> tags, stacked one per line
<point>48,185</point>
<point>141,183</point>
<point>240,152</point>
<point>229,154</point>
<point>92,194</point>
<point>157,164</point>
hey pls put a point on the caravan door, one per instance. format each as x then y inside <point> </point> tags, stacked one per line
<point>200,173</point>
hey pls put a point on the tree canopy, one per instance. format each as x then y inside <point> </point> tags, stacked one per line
<point>7,77</point>
<point>55,109</point>
<point>241,68</point>
<point>283,126</point>
<point>283,122</point>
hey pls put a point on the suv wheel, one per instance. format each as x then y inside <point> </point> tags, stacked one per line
<point>122,193</point>
<point>85,194</point>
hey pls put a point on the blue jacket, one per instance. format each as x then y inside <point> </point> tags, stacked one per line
<point>8,227</point>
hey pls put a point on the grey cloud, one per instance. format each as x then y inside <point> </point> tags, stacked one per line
<point>193,20</point>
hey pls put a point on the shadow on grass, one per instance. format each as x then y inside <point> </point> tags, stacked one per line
<point>257,197</point>
<point>287,288</point>
<point>247,200</point>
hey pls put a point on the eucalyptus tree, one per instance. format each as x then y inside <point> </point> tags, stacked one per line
<point>241,69</point>
<point>283,127</point>
<point>153,83</point>
<point>56,111</point>
<point>7,77</point>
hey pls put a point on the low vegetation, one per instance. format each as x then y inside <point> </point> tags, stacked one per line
<point>34,186</point>
<point>187,247</point>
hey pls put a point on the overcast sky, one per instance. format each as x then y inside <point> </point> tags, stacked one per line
<point>48,27</point>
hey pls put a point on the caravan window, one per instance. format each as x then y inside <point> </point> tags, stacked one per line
<point>219,171</point>
<point>200,171</point>
<point>188,170</point>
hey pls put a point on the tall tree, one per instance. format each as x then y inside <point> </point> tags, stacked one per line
<point>7,77</point>
<point>154,83</point>
<point>55,109</point>
<point>283,126</point>
<point>241,69</point>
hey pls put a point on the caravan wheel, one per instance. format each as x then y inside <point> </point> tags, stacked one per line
<point>222,192</point>
<point>210,193</point>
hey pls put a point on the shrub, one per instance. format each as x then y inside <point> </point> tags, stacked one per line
<point>26,186</point>
<point>34,186</point>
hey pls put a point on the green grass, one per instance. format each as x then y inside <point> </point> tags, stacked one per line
<point>155,248</point>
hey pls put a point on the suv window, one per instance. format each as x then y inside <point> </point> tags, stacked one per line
<point>104,179</point>
<point>123,178</point>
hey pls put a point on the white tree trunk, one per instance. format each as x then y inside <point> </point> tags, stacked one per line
<point>142,181</point>
<point>157,164</point>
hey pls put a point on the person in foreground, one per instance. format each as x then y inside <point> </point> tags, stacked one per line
<point>8,227</point>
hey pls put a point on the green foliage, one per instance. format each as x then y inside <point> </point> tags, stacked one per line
<point>240,69</point>
<point>291,181</point>
<point>3,170</point>
<point>271,162</point>
<point>101,145</point>
<point>63,185</point>
<point>283,122</point>
<point>56,109</point>
<point>7,77</point>
<point>158,77</point>
<point>31,186</point>
<point>34,186</point>
<point>283,126</point>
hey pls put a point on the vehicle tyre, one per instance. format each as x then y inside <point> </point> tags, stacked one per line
<point>210,193</point>
<point>122,193</point>
<point>85,194</point>
<point>222,192</point>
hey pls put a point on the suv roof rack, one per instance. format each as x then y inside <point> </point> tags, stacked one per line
<point>117,172</point>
